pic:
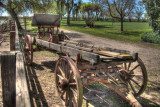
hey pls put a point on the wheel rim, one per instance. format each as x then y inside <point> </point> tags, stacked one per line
<point>135,74</point>
<point>28,49</point>
<point>68,82</point>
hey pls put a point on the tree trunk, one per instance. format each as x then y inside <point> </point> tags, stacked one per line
<point>121,24</point>
<point>68,18</point>
<point>76,15</point>
<point>15,17</point>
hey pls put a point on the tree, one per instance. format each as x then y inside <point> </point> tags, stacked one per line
<point>153,11</point>
<point>16,7</point>
<point>98,7</point>
<point>122,7</point>
<point>69,6</point>
<point>77,7</point>
<point>139,10</point>
<point>60,8</point>
<point>89,11</point>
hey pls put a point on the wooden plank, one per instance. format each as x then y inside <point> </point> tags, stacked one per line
<point>22,93</point>
<point>12,40</point>
<point>8,78</point>
<point>45,43</point>
<point>106,53</point>
<point>91,57</point>
<point>78,47</point>
<point>39,41</point>
<point>123,53</point>
<point>54,46</point>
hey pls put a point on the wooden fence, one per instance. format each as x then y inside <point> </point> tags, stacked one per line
<point>14,83</point>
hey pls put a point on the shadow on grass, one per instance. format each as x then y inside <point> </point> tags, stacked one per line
<point>128,33</point>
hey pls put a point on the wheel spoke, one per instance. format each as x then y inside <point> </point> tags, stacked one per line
<point>138,75</point>
<point>129,65</point>
<point>61,71</point>
<point>72,99</point>
<point>135,82</point>
<point>60,76</point>
<point>67,96</point>
<point>135,67</point>
<point>62,93</point>
<point>72,84</point>
<point>132,87</point>
<point>71,73</point>
<point>125,66</point>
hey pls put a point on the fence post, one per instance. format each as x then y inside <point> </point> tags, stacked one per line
<point>8,78</point>
<point>12,36</point>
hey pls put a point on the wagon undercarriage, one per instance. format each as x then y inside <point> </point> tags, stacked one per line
<point>81,64</point>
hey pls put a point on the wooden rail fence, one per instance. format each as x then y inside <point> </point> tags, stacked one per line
<point>14,83</point>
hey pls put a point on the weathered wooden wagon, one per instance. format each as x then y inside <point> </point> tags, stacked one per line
<point>81,64</point>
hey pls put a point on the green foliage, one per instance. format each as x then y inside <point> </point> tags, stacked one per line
<point>151,37</point>
<point>89,11</point>
<point>153,10</point>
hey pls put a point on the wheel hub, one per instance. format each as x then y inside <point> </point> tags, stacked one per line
<point>124,75</point>
<point>63,83</point>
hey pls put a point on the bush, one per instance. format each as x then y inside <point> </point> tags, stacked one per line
<point>151,37</point>
<point>90,22</point>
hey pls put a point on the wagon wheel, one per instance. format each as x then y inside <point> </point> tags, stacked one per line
<point>68,82</point>
<point>135,74</point>
<point>28,49</point>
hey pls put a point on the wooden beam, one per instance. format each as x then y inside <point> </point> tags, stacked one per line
<point>88,56</point>
<point>22,92</point>
<point>8,78</point>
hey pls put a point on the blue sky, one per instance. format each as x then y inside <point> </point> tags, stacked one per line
<point>6,14</point>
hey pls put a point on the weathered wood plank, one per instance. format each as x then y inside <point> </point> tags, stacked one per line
<point>12,40</point>
<point>39,41</point>
<point>22,93</point>
<point>54,46</point>
<point>123,54</point>
<point>8,78</point>
<point>88,56</point>
<point>91,57</point>
<point>45,43</point>
<point>97,51</point>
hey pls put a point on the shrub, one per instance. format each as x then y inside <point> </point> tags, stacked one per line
<point>89,22</point>
<point>151,37</point>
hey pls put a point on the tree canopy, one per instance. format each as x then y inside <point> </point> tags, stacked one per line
<point>153,11</point>
<point>16,7</point>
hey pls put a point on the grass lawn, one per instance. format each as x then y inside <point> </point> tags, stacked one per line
<point>132,30</point>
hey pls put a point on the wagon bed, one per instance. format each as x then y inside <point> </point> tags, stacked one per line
<point>89,53</point>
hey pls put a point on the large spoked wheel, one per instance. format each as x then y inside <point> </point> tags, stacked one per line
<point>135,74</point>
<point>68,82</point>
<point>28,49</point>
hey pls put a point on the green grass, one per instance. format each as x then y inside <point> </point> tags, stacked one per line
<point>132,30</point>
